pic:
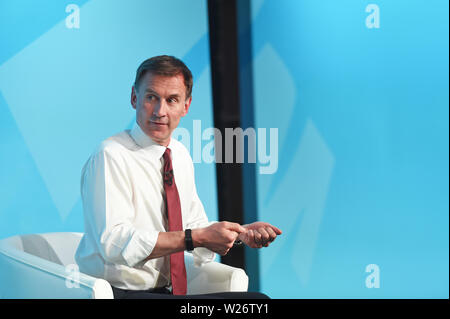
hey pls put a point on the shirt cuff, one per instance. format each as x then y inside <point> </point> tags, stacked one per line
<point>202,256</point>
<point>139,247</point>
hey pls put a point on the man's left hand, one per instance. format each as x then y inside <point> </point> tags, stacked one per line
<point>259,234</point>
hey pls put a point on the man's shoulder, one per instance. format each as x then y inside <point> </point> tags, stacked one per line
<point>108,154</point>
<point>116,145</point>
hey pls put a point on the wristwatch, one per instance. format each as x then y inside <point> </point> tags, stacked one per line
<point>188,240</point>
<point>237,242</point>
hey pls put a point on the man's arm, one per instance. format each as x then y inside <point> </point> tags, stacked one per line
<point>108,211</point>
<point>218,237</point>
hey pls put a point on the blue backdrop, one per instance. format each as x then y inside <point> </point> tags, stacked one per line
<point>359,93</point>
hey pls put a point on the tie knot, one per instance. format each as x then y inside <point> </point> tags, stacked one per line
<point>168,170</point>
<point>167,155</point>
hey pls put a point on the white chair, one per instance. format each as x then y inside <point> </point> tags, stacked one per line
<point>43,266</point>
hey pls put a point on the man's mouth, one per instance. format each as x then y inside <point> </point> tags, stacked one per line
<point>158,123</point>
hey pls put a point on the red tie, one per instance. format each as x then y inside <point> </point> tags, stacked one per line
<point>177,267</point>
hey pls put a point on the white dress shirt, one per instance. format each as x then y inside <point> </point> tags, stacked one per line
<point>124,210</point>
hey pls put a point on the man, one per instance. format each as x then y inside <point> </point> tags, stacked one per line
<point>140,202</point>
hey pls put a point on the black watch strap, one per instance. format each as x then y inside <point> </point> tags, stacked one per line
<point>188,240</point>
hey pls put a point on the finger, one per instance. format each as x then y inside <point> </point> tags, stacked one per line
<point>251,238</point>
<point>232,236</point>
<point>236,227</point>
<point>276,230</point>
<point>258,239</point>
<point>271,233</point>
<point>265,237</point>
<point>243,237</point>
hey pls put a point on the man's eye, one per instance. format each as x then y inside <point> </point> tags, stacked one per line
<point>151,97</point>
<point>172,100</point>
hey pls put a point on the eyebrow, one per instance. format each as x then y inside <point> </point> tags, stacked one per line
<point>153,92</point>
<point>150,91</point>
<point>175,95</point>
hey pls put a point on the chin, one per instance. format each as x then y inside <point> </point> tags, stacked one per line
<point>159,138</point>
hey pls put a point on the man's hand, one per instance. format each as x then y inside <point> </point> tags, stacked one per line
<point>259,234</point>
<point>219,237</point>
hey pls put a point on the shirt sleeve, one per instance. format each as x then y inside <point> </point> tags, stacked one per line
<point>107,201</point>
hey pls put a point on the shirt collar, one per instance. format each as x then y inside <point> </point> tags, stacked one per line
<point>144,141</point>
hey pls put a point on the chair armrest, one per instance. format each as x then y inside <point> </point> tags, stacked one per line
<point>213,277</point>
<point>24,276</point>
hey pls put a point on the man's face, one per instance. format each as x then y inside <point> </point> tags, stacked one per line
<point>160,102</point>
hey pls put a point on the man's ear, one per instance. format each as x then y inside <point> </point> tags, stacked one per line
<point>187,104</point>
<point>133,97</point>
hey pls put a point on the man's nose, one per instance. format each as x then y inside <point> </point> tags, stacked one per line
<point>160,109</point>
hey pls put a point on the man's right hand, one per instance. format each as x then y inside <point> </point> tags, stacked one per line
<point>218,237</point>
